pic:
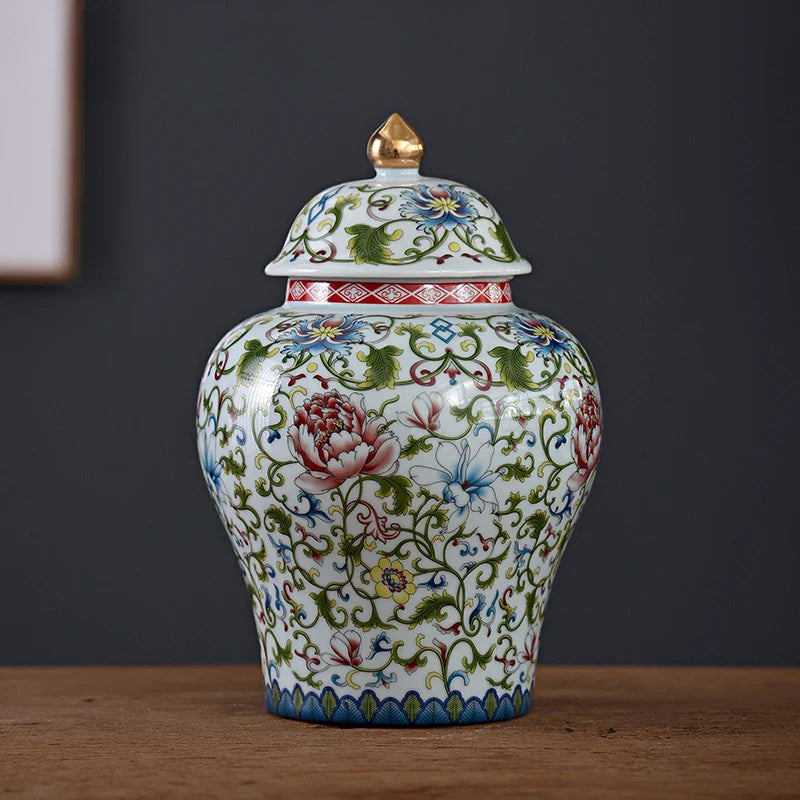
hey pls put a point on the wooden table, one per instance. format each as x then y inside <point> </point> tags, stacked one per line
<point>640,732</point>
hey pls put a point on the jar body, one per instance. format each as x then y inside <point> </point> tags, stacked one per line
<point>399,484</point>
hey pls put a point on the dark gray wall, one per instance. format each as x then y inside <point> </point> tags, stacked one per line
<point>644,155</point>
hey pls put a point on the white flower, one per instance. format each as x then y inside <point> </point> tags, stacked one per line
<point>426,409</point>
<point>463,479</point>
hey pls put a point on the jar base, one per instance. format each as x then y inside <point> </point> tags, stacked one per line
<point>366,710</point>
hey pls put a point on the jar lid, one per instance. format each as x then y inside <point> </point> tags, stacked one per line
<point>399,224</point>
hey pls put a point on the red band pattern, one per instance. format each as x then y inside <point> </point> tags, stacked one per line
<point>310,291</point>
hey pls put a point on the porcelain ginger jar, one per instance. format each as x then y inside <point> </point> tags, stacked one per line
<point>399,455</point>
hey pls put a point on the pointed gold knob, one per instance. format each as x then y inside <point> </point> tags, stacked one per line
<point>396,145</point>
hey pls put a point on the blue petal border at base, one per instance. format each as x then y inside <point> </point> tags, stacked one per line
<point>366,710</point>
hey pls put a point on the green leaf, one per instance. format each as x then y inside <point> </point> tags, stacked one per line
<point>351,200</point>
<point>231,466</point>
<point>352,547</point>
<point>249,366</point>
<point>328,702</point>
<point>242,495</point>
<point>260,555</point>
<point>367,623</point>
<point>280,519</point>
<point>514,499</point>
<point>368,245</point>
<point>412,707</point>
<point>369,705</point>
<point>382,367</point>
<point>530,603</point>
<point>439,516</point>
<point>513,367</point>
<point>490,704</point>
<point>478,659</point>
<point>430,608</point>
<point>282,655</point>
<point>415,332</point>
<point>516,699</point>
<point>516,470</point>
<point>454,706</point>
<point>415,446</point>
<point>505,242</point>
<point>297,700</point>
<point>399,487</point>
<point>467,412</point>
<point>470,329</point>
<point>325,607</point>
<point>536,523</point>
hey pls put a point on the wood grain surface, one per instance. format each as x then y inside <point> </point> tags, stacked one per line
<point>202,732</point>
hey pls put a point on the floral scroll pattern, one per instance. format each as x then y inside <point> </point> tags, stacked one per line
<point>375,223</point>
<point>399,490</point>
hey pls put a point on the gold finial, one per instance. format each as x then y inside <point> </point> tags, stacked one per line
<point>395,144</point>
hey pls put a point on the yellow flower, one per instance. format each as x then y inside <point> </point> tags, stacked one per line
<point>391,580</point>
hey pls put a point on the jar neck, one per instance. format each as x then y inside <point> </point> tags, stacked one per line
<point>398,292</point>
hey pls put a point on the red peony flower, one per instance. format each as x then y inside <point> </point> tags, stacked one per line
<point>334,439</point>
<point>586,440</point>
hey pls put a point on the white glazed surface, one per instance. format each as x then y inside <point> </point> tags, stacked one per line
<point>459,470</point>
<point>409,226</point>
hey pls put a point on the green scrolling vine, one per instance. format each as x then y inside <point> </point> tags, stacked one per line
<point>399,489</point>
<point>368,223</point>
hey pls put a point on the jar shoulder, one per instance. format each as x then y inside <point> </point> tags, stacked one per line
<point>495,350</point>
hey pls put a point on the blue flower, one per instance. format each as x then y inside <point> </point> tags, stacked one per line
<point>332,333</point>
<point>548,338</point>
<point>212,469</point>
<point>464,480</point>
<point>380,644</point>
<point>435,206</point>
<point>382,679</point>
<point>435,583</point>
<point>314,509</point>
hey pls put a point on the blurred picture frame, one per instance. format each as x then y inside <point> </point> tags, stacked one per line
<point>40,92</point>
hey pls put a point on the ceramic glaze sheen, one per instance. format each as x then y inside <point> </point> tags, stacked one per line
<point>399,462</point>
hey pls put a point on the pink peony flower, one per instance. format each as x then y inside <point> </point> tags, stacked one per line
<point>425,411</point>
<point>334,439</point>
<point>586,440</point>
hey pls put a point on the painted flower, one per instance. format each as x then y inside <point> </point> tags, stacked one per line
<point>586,440</point>
<point>435,206</point>
<point>542,333</point>
<point>425,410</point>
<point>463,479</point>
<point>382,679</point>
<point>380,644</point>
<point>212,469</point>
<point>346,647</point>
<point>334,439</point>
<point>391,580</point>
<point>334,333</point>
<point>528,654</point>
